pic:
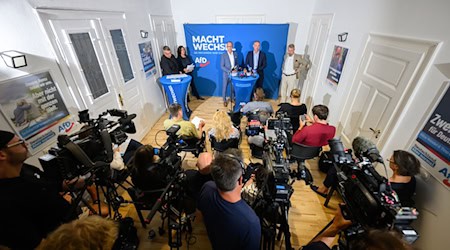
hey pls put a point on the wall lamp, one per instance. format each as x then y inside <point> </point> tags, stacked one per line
<point>14,59</point>
<point>144,34</point>
<point>342,37</point>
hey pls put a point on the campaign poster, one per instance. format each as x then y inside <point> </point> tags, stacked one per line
<point>432,145</point>
<point>32,104</point>
<point>148,60</point>
<point>337,64</point>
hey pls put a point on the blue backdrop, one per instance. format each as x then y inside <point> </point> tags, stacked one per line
<point>206,42</point>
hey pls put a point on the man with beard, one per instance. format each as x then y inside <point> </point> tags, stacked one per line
<point>31,207</point>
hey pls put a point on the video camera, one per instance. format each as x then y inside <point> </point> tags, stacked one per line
<point>90,149</point>
<point>370,200</point>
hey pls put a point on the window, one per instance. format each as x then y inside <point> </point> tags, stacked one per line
<point>122,54</point>
<point>89,63</point>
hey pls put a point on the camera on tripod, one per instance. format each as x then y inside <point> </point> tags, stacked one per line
<point>370,200</point>
<point>90,149</point>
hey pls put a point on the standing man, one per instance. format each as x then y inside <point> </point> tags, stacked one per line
<point>230,222</point>
<point>256,59</point>
<point>291,73</point>
<point>228,63</point>
<point>305,65</point>
<point>169,64</point>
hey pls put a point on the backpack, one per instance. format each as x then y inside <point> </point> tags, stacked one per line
<point>128,238</point>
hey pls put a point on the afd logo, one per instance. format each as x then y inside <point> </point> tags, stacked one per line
<point>202,61</point>
<point>66,126</point>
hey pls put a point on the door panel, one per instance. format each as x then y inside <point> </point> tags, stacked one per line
<point>86,80</point>
<point>388,67</point>
<point>317,40</point>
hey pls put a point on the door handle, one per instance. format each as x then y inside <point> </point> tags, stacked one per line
<point>121,100</point>
<point>376,132</point>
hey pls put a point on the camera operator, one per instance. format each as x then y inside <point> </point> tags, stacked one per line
<point>146,173</point>
<point>187,128</point>
<point>31,206</point>
<point>264,110</point>
<point>317,134</point>
<point>372,239</point>
<point>196,178</point>
<point>229,220</point>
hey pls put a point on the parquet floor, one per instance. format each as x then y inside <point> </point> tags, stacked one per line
<point>307,215</point>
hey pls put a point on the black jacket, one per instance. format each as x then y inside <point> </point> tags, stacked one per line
<point>169,66</point>
<point>262,61</point>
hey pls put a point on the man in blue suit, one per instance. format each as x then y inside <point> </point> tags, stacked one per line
<point>228,63</point>
<point>256,59</point>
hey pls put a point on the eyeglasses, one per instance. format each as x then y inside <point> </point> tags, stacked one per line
<point>19,142</point>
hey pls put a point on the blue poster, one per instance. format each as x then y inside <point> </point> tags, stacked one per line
<point>432,145</point>
<point>206,42</point>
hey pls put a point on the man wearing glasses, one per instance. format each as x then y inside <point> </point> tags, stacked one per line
<point>30,207</point>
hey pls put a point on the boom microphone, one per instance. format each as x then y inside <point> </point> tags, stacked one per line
<point>365,148</point>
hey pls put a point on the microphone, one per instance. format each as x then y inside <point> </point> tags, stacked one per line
<point>365,148</point>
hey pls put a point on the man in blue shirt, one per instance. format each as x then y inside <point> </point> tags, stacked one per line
<point>230,222</point>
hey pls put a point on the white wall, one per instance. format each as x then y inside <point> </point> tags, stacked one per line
<point>421,19</point>
<point>22,31</point>
<point>297,12</point>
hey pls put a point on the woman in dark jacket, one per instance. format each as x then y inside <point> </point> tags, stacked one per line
<point>183,61</point>
<point>404,166</point>
<point>294,109</point>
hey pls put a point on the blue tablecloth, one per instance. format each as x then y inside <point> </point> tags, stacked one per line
<point>243,88</point>
<point>176,92</point>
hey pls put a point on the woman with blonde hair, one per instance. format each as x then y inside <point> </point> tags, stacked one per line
<point>223,128</point>
<point>294,109</point>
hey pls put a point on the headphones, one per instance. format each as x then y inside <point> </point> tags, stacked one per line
<point>246,171</point>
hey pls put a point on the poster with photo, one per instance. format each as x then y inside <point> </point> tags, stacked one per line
<point>148,60</point>
<point>337,64</point>
<point>432,145</point>
<point>32,104</point>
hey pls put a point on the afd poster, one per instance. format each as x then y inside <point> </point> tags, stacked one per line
<point>337,64</point>
<point>148,60</point>
<point>32,104</point>
<point>432,145</point>
<point>206,42</point>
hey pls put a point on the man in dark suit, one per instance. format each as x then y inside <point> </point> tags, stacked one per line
<point>228,63</point>
<point>169,64</point>
<point>256,59</point>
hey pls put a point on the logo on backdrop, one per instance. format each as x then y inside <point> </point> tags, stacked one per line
<point>202,61</point>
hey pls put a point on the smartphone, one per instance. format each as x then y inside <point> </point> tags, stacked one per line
<point>303,118</point>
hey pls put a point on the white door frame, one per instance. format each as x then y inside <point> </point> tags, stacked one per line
<point>310,85</point>
<point>425,65</point>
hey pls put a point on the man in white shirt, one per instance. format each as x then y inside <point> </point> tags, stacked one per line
<point>291,73</point>
<point>228,63</point>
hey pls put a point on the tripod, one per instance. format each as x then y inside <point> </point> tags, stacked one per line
<point>107,187</point>
<point>171,206</point>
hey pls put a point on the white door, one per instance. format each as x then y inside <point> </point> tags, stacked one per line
<point>164,31</point>
<point>125,78</point>
<point>389,70</point>
<point>83,49</point>
<point>317,40</point>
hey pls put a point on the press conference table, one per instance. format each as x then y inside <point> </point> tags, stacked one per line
<point>176,90</point>
<point>243,87</point>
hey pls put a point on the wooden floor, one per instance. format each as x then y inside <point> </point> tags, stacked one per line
<point>307,215</point>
